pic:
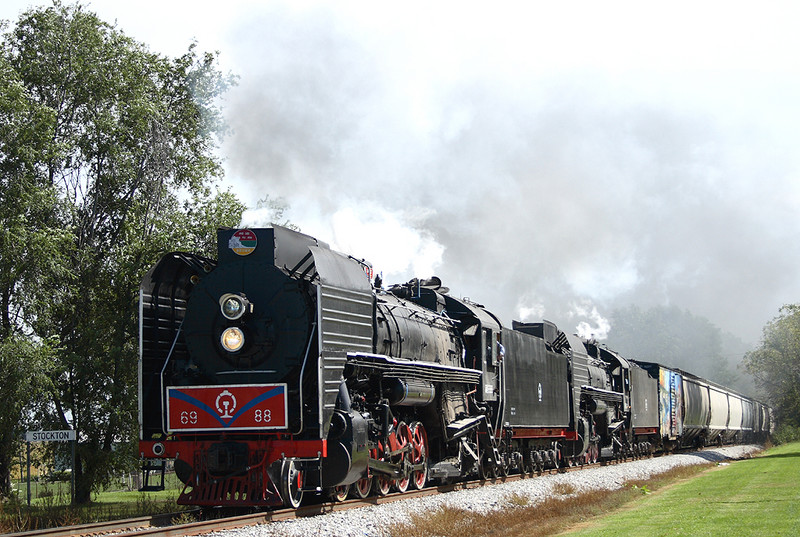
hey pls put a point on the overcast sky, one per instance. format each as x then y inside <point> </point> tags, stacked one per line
<point>547,159</point>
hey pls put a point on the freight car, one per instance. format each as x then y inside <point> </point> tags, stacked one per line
<point>279,369</point>
<point>696,412</point>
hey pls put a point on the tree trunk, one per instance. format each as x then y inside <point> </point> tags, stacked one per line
<point>83,484</point>
<point>6,462</point>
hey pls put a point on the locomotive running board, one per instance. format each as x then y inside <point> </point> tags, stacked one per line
<point>604,395</point>
<point>413,369</point>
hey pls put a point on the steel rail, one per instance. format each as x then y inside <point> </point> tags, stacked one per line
<point>160,525</point>
<point>100,528</point>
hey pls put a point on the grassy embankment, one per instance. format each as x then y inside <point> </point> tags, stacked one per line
<point>754,497</point>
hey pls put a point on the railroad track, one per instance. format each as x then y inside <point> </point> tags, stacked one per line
<point>120,527</point>
<point>162,526</point>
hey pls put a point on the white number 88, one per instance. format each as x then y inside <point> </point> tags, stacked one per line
<point>264,416</point>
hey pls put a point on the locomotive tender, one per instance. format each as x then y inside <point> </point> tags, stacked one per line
<point>279,369</point>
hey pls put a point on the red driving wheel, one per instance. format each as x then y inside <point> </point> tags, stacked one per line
<point>419,454</point>
<point>404,438</point>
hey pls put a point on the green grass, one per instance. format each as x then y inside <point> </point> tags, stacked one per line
<point>57,492</point>
<point>754,497</point>
<point>50,505</point>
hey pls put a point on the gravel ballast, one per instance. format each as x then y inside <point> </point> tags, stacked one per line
<point>371,521</point>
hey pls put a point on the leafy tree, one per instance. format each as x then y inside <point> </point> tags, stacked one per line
<point>775,365</point>
<point>32,256</point>
<point>21,364</point>
<point>200,219</point>
<point>130,134</point>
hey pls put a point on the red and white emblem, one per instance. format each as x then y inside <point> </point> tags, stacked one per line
<point>243,242</point>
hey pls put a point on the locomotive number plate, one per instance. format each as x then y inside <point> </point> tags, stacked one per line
<point>238,407</point>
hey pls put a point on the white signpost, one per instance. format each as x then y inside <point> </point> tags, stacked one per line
<point>52,436</point>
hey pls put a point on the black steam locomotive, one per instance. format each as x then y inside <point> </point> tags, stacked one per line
<point>279,369</point>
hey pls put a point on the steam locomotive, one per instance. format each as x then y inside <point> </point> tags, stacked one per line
<point>280,369</point>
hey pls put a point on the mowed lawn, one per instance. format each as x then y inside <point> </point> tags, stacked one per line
<point>754,497</point>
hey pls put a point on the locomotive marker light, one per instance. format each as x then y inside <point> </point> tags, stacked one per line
<point>232,339</point>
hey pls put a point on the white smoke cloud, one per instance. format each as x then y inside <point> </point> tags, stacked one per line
<point>263,217</point>
<point>531,313</point>
<point>604,276</point>
<point>385,238</point>
<point>529,309</point>
<point>561,163</point>
<point>593,325</point>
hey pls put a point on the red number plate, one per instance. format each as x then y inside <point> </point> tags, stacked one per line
<point>239,407</point>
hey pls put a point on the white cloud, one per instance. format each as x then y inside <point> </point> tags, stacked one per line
<point>601,275</point>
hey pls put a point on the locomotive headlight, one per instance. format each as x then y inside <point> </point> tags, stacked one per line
<point>233,306</point>
<point>232,339</point>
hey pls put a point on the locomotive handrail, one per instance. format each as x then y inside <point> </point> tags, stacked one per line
<point>401,304</point>
<point>161,377</point>
<point>302,374</point>
<point>501,400</point>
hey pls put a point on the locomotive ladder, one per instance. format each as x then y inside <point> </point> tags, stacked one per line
<point>493,443</point>
<point>149,466</point>
<point>673,409</point>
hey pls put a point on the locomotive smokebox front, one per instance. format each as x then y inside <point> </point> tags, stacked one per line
<point>248,322</point>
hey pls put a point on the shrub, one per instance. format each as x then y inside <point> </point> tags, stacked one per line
<point>786,433</point>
